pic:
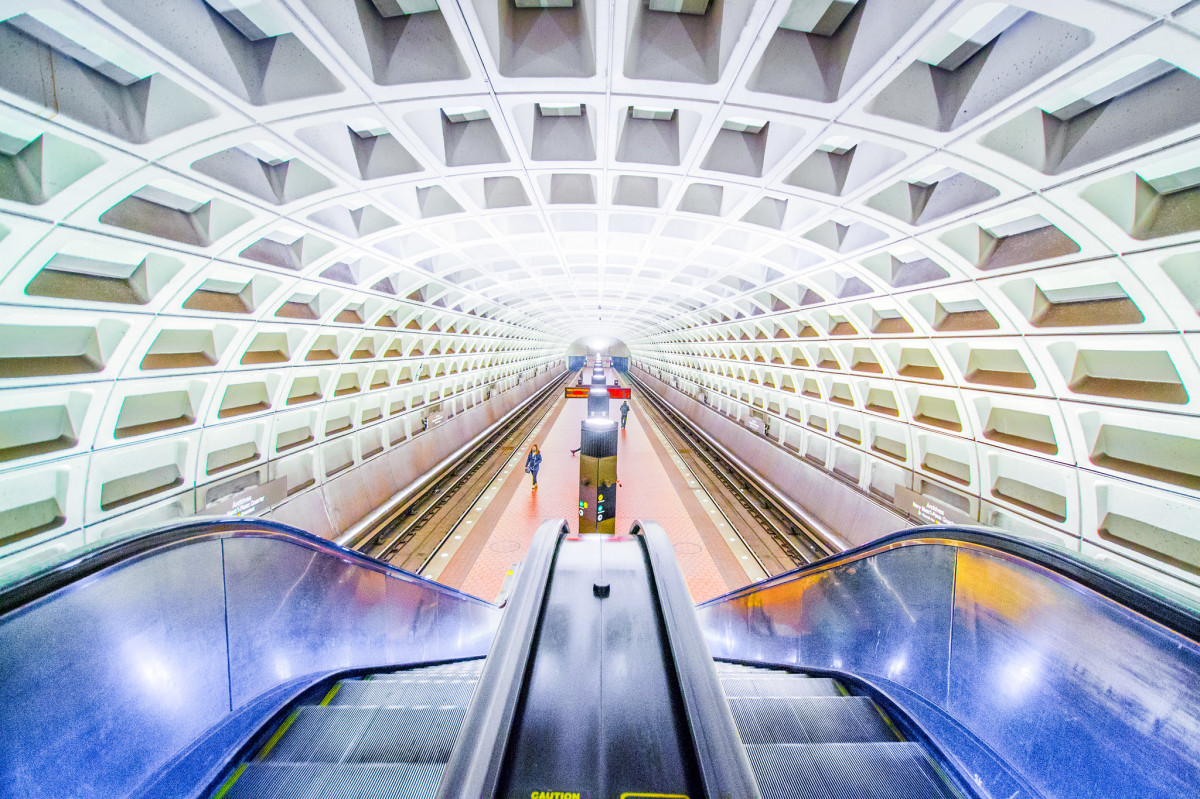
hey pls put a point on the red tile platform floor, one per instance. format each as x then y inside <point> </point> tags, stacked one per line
<point>646,493</point>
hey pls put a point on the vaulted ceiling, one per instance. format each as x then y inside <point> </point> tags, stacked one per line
<point>964,234</point>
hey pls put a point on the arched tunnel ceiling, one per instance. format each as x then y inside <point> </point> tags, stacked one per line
<point>949,245</point>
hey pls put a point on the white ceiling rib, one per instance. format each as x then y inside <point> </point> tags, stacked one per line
<point>950,245</point>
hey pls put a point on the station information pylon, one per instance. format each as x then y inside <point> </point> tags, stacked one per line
<point>598,476</point>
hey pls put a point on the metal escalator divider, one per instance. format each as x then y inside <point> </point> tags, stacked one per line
<point>725,770</point>
<point>601,716</point>
<point>661,726</point>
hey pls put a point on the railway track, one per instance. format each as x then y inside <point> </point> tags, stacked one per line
<point>777,541</point>
<point>412,539</point>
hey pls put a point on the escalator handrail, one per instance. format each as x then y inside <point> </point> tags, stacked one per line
<point>1161,609</point>
<point>129,548</point>
<point>724,766</point>
<point>477,759</point>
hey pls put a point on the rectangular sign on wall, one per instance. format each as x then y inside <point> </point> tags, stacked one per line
<point>928,510</point>
<point>252,501</point>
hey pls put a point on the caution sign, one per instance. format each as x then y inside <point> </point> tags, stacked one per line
<point>555,795</point>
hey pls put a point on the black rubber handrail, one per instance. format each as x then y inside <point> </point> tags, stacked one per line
<point>724,766</point>
<point>1161,609</point>
<point>36,586</point>
<point>478,755</point>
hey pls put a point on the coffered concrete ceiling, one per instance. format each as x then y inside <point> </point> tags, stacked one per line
<point>947,245</point>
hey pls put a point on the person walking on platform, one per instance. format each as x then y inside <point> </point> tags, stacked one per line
<point>624,413</point>
<point>533,463</point>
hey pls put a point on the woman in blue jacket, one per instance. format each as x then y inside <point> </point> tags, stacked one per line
<point>533,463</point>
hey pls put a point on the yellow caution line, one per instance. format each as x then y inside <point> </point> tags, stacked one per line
<point>653,796</point>
<point>274,739</point>
<point>229,782</point>
<point>887,720</point>
<point>332,692</point>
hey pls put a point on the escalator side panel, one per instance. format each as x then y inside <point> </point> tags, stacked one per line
<point>900,611</point>
<point>880,616</point>
<point>131,662</point>
<point>142,677</point>
<point>284,601</point>
<point>1077,694</point>
<point>1100,701</point>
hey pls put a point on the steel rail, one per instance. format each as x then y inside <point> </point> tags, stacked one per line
<point>479,462</point>
<point>716,471</point>
<point>721,462</point>
<point>746,499</point>
<point>820,533</point>
<point>364,530</point>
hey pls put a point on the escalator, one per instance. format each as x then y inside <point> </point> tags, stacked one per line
<point>596,707</point>
<point>244,659</point>
<point>808,736</point>
<point>378,734</point>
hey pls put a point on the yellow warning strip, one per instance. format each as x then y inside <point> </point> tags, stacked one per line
<point>888,721</point>
<point>653,796</point>
<point>237,772</point>
<point>274,739</point>
<point>332,692</point>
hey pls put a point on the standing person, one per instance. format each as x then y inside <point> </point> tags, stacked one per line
<point>624,413</point>
<point>533,463</point>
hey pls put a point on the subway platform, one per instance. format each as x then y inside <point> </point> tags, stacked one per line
<point>654,484</point>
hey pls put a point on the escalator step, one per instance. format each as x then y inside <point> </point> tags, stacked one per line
<point>780,686</point>
<point>846,719</point>
<point>464,668</point>
<point>409,735</point>
<point>385,781</point>
<point>845,771</point>
<point>271,780</point>
<point>344,781</point>
<point>787,771</point>
<point>849,719</point>
<point>736,668</point>
<point>411,677</point>
<point>766,721</point>
<point>318,735</point>
<point>406,692</point>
